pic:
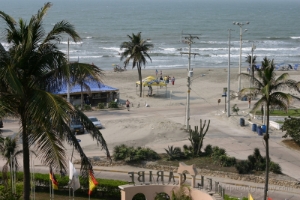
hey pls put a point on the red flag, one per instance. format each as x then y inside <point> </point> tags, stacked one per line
<point>53,179</point>
<point>269,198</point>
<point>92,182</point>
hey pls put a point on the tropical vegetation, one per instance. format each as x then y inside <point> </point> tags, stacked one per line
<point>83,74</point>
<point>31,70</point>
<point>271,90</point>
<point>136,49</point>
<point>292,127</point>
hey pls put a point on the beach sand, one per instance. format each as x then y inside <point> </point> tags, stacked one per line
<point>162,124</point>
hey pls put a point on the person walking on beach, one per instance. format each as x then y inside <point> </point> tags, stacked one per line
<point>127,104</point>
<point>173,80</point>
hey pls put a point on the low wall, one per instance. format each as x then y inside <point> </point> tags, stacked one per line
<point>150,191</point>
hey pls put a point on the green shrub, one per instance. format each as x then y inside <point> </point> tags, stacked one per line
<point>188,151</point>
<point>113,104</point>
<point>87,107</point>
<point>226,197</point>
<point>217,152</point>
<point>208,150</point>
<point>275,168</point>
<point>123,152</point>
<point>243,167</point>
<point>101,105</point>
<point>174,153</point>
<point>6,192</point>
<point>227,161</point>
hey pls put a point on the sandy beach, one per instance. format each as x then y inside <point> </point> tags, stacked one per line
<point>162,124</point>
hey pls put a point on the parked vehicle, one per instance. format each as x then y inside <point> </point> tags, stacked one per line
<point>76,126</point>
<point>96,122</point>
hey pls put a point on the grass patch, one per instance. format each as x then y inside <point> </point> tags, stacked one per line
<point>44,195</point>
<point>291,112</point>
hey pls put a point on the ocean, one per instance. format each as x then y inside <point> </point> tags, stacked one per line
<point>103,25</point>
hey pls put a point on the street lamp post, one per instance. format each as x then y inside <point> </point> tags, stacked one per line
<point>228,75</point>
<point>252,70</point>
<point>240,61</point>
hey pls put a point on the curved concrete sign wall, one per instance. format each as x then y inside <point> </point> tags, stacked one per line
<point>152,188</point>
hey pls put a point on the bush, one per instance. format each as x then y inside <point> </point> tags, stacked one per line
<point>113,104</point>
<point>208,150</point>
<point>123,152</point>
<point>243,167</point>
<point>217,152</point>
<point>275,168</point>
<point>101,105</point>
<point>227,161</point>
<point>174,153</point>
<point>87,107</point>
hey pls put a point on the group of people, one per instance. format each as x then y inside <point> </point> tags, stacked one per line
<point>167,79</point>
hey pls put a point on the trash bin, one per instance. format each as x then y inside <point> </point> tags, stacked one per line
<point>242,122</point>
<point>264,128</point>
<point>259,130</point>
<point>254,126</point>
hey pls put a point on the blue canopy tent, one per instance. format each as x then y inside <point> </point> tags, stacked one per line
<point>99,93</point>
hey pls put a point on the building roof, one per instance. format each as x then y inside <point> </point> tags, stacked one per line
<point>94,86</point>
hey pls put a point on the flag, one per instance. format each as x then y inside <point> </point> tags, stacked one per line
<point>250,197</point>
<point>53,179</point>
<point>269,198</point>
<point>73,177</point>
<point>92,182</point>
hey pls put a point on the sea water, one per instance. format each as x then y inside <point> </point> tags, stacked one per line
<point>103,25</point>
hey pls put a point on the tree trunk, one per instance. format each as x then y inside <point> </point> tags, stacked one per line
<point>266,138</point>
<point>81,97</point>
<point>26,161</point>
<point>140,78</point>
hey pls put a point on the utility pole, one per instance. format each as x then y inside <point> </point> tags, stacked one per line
<point>189,40</point>
<point>228,75</point>
<point>68,82</point>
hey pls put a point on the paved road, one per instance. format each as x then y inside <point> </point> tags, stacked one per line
<point>226,133</point>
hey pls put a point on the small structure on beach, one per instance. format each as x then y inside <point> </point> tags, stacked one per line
<point>99,93</point>
<point>150,82</point>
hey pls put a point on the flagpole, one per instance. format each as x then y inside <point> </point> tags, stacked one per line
<point>50,184</point>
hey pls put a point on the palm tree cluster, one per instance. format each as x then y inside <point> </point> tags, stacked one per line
<point>31,70</point>
<point>271,88</point>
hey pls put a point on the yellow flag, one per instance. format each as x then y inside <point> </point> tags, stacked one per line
<point>92,182</point>
<point>250,197</point>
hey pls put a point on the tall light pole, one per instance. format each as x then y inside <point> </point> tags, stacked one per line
<point>228,75</point>
<point>252,70</point>
<point>240,61</point>
<point>189,41</point>
<point>68,82</point>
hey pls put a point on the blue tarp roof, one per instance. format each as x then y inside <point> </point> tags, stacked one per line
<point>94,86</point>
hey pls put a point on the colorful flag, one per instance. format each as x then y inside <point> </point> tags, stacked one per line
<point>53,179</point>
<point>73,177</point>
<point>92,182</point>
<point>250,197</point>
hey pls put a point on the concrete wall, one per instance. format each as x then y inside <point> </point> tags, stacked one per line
<point>150,191</point>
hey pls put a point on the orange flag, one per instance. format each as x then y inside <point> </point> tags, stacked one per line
<point>53,179</point>
<point>92,182</point>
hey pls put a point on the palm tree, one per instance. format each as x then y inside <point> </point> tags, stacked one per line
<point>82,74</point>
<point>270,87</point>
<point>136,50</point>
<point>31,70</point>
